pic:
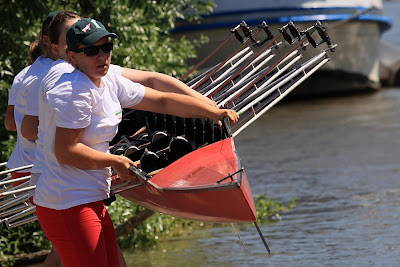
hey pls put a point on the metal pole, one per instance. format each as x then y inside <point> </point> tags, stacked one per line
<point>16,169</point>
<point>262,237</point>
<point>207,58</point>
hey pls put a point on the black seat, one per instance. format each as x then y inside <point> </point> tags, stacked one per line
<point>150,161</point>
<point>178,147</point>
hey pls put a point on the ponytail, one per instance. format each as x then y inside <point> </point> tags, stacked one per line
<point>34,52</point>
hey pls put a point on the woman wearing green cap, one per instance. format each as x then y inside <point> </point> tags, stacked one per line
<point>87,105</point>
<point>54,50</point>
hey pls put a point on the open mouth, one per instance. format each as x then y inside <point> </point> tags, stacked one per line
<point>102,66</point>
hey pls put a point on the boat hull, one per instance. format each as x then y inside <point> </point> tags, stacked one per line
<point>354,66</point>
<point>209,184</point>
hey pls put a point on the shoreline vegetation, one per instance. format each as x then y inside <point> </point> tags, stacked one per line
<point>135,227</point>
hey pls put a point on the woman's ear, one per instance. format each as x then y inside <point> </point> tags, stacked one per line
<point>46,40</point>
<point>47,44</point>
<point>54,50</point>
<point>72,58</point>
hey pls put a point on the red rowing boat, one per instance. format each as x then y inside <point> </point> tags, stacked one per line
<point>206,184</point>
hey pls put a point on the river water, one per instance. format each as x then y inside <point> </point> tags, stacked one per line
<point>339,157</point>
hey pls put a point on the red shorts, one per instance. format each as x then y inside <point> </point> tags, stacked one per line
<point>83,235</point>
<point>15,175</point>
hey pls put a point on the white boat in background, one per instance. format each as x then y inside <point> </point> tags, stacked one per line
<point>355,25</point>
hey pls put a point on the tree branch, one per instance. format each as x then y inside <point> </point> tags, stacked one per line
<point>133,222</point>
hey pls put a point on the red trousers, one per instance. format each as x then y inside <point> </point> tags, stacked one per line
<point>83,235</point>
<point>15,175</point>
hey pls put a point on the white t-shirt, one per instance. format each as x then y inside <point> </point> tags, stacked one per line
<point>77,103</point>
<point>58,68</point>
<point>12,96</point>
<point>24,151</point>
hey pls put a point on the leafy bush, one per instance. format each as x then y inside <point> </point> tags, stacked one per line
<point>269,209</point>
<point>142,25</point>
<point>24,239</point>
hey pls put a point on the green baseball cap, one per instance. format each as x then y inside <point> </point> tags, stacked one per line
<point>86,31</point>
<point>47,20</point>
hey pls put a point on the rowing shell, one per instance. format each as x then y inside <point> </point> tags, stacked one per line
<point>208,184</point>
<point>197,176</point>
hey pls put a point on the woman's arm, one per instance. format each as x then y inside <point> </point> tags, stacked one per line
<point>29,127</point>
<point>182,106</point>
<point>164,83</point>
<point>9,121</point>
<point>70,151</point>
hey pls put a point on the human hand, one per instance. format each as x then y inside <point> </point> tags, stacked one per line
<point>121,167</point>
<point>222,113</point>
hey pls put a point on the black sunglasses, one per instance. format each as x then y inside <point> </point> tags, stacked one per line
<point>95,49</point>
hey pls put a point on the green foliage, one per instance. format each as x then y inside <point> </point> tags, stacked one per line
<point>145,42</point>
<point>143,26</point>
<point>8,145</point>
<point>8,139</point>
<point>7,260</point>
<point>160,226</point>
<point>269,209</point>
<point>19,26</point>
<point>29,238</point>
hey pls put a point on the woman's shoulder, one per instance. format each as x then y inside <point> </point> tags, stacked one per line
<point>117,83</point>
<point>41,65</point>
<point>37,70</point>
<point>20,75</point>
<point>57,70</point>
<point>71,84</point>
<point>116,79</point>
<point>116,69</point>
<point>61,65</point>
<point>19,78</point>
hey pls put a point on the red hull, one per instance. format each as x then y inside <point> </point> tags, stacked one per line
<point>189,187</point>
